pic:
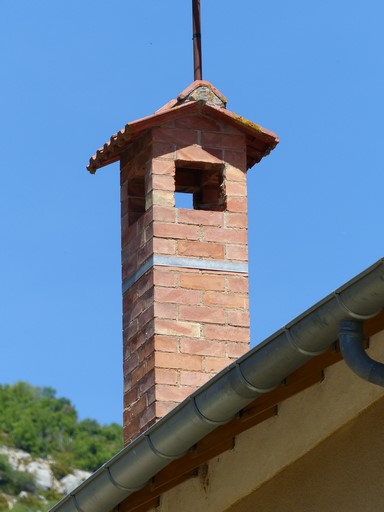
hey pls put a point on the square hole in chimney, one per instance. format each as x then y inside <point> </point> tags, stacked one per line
<point>200,188</point>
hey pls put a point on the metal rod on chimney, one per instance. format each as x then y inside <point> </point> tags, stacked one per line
<point>197,58</point>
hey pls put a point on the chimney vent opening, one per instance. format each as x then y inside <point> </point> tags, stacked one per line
<point>200,188</point>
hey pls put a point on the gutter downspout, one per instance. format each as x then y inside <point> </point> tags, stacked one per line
<point>351,338</point>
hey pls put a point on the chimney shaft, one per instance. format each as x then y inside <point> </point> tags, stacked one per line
<point>184,271</point>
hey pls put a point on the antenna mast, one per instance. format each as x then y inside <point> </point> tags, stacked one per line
<point>197,58</point>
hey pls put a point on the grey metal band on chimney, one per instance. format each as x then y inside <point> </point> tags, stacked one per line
<point>180,262</point>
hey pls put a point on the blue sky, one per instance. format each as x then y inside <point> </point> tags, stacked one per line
<point>74,73</point>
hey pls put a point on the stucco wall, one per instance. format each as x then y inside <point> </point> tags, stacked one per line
<point>345,473</point>
<point>262,455</point>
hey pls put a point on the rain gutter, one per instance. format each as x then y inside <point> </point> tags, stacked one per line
<point>218,401</point>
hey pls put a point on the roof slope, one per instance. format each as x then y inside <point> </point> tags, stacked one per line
<point>217,402</point>
<point>199,98</point>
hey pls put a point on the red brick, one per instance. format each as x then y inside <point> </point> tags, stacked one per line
<point>165,310</point>
<point>237,204</point>
<point>202,281</point>
<point>163,150</point>
<point>215,364</point>
<point>236,158</point>
<point>217,152</point>
<point>137,341</point>
<point>151,395</point>
<point>144,253</point>
<point>165,343</point>
<point>131,310</point>
<point>177,295</point>
<point>145,283</point>
<point>197,123</point>
<point>237,252</point>
<point>201,249</point>
<point>128,255</point>
<point>135,409</point>
<point>183,231</point>
<point>179,328</point>
<point>151,362</point>
<point>168,393</point>
<point>147,418</point>
<point>132,329</point>
<point>146,351</point>
<point>128,269</point>
<point>163,408</point>
<point>147,382</point>
<point>236,350</point>
<point>167,376</point>
<point>131,364</point>
<point>130,396</point>
<point>236,220</point>
<point>234,236</point>
<point>164,246</point>
<point>178,361</point>
<point>204,347</point>
<point>146,320</point>
<point>238,317</point>
<point>138,373</point>
<point>230,333</point>
<point>196,379</point>
<point>234,174</point>
<point>161,182</point>
<point>200,217</point>
<point>131,428</point>
<point>237,283</point>
<point>129,232</point>
<point>221,140</point>
<point>227,300</point>
<point>236,188</point>
<point>148,234</point>
<point>164,213</point>
<point>194,153</point>
<point>175,136</point>
<point>163,276</point>
<point>202,314</point>
<point>162,167</point>
<point>160,198</point>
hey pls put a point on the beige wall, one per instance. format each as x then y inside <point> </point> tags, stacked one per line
<point>345,473</point>
<point>306,428</point>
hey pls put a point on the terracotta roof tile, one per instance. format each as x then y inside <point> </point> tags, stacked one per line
<point>199,97</point>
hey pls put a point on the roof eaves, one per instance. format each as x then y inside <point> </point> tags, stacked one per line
<point>220,399</point>
<point>259,140</point>
<point>111,150</point>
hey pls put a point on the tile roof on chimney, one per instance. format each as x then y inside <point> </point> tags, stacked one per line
<point>199,97</point>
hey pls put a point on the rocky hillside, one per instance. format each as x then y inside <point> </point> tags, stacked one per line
<point>45,452</point>
<point>31,484</point>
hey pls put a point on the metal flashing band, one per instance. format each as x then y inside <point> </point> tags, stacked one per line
<point>177,261</point>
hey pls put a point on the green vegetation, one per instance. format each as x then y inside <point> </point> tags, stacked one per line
<point>35,420</point>
<point>12,481</point>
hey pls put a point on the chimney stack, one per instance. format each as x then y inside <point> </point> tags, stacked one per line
<point>184,271</point>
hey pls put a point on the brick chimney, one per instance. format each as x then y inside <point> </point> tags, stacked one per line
<point>184,271</point>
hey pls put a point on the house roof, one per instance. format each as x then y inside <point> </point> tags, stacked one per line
<point>244,382</point>
<point>199,98</point>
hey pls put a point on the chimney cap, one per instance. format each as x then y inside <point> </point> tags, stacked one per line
<point>200,97</point>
